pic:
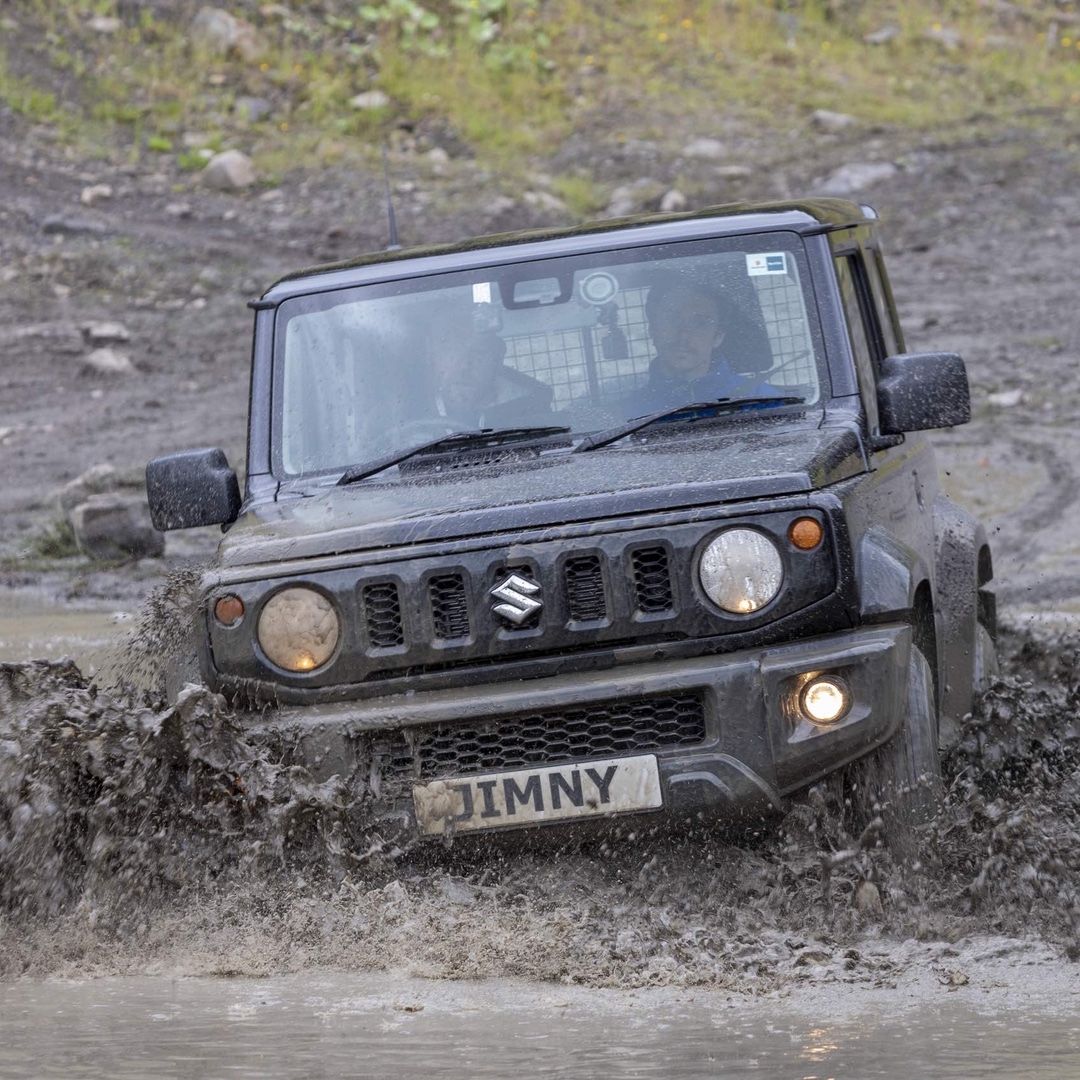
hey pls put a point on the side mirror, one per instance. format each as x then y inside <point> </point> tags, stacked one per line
<point>921,391</point>
<point>190,489</point>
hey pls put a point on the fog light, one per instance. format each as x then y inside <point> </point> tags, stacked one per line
<point>229,610</point>
<point>825,700</point>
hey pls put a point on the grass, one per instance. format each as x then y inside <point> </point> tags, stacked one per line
<point>513,78</point>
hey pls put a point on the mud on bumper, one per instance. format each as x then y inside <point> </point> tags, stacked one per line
<point>727,732</point>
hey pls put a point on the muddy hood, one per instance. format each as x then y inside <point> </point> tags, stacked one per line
<point>603,484</point>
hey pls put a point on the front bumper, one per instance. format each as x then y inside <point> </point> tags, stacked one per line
<point>754,749</point>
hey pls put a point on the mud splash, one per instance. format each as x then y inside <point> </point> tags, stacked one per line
<point>136,838</point>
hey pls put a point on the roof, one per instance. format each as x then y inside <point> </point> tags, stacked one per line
<point>805,216</point>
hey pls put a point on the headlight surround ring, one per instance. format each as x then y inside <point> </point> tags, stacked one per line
<point>298,629</point>
<point>741,570</point>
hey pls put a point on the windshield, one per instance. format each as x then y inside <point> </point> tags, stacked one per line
<point>586,342</point>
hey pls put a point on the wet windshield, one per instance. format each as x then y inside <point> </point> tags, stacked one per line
<point>586,342</point>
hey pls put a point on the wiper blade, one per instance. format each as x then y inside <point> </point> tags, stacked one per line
<point>695,410</point>
<point>455,441</point>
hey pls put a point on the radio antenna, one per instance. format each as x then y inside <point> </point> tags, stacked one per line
<point>394,245</point>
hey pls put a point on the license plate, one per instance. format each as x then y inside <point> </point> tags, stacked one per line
<point>530,796</point>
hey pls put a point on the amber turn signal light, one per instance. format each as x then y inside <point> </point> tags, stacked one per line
<point>229,610</point>
<point>806,533</point>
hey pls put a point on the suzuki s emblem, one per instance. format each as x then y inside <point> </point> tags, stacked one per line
<point>519,599</point>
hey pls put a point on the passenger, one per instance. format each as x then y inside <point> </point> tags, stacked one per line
<point>474,389</point>
<point>689,324</point>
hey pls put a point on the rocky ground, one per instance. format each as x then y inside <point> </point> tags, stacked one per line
<point>125,333</point>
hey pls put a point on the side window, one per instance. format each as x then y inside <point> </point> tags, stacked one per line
<point>882,297</point>
<point>862,330</point>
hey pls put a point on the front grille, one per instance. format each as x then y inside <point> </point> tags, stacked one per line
<point>585,588</point>
<point>652,580</point>
<point>382,614</point>
<point>544,737</point>
<point>449,607</point>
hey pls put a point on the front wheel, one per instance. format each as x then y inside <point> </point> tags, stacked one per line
<point>901,780</point>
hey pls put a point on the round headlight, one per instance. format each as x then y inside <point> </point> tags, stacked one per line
<point>298,629</point>
<point>741,571</point>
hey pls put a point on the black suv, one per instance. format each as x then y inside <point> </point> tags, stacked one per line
<point>621,519</point>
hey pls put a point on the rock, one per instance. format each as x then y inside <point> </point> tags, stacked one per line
<point>832,122</point>
<point>1006,399</point>
<point>104,24</point>
<point>672,201</point>
<point>95,193</point>
<point>225,34</point>
<point>253,109</point>
<point>882,36</point>
<point>949,39</point>
<point>708,149</point>
<point>544,200</point>
<point>95,481</point>
<point>105,333</point>
<point>734,172</point>
<point>108,362</point>
<point>212,276</point>
<point>500,205</point>
<point>438,155</point>
<point>59,337</point>
<point>111,526</point>
<point>622,202</point>
<point>71,224</point>
<point>229,171</point>
<point>370,99</point>
<point>851,178</point>
<point>178,209</point>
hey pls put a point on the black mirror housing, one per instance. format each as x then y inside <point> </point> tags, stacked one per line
<point>922,391</point>
<point>190,489</point>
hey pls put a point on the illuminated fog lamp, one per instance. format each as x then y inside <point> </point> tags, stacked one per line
<point>229,610</point>
<point>825,699</point>
<point>298,629</point>
<point>806,533</point>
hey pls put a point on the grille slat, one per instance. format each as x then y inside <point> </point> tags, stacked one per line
<point>382,611</point>
<point>544,737</point>
<point>652,579</point>
<point>584,580</point>
<point>449,606</point>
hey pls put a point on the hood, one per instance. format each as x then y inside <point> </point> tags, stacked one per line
<point>610,482</point>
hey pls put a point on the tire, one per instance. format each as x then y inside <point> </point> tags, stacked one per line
<point>901,780</point>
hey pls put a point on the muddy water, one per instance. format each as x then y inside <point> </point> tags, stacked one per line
<point>340,1026</point>
<point>32,626</point>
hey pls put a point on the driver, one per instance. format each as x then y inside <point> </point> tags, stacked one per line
<point>474,389</point>
<point>688,324</point>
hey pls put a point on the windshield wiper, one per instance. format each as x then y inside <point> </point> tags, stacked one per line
<point>695,410</point>
<point>456,441</point>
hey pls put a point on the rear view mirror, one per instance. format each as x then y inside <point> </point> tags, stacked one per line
<point>922,391</point>
<point>190,489</point>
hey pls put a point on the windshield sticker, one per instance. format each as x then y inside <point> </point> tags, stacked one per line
<point>481,292</point>
<point>771,262</point>
<point>599,288</point>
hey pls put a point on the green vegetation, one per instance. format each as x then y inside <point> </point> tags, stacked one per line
<point>55,541</point>
<point>513,78</point>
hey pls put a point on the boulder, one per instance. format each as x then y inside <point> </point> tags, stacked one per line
<point>105,333</point>
<point>95,193</point>
<point>370,99</point>
<point>709,149</point>
<point>832,122</point>
<point>229,171</point>
<point>95,481</point>
<point>672,201</point>
<point>252,109</point>
<point>849,179</point>
<point>112,526</point>
<point>223,33</point>
<point>108,362</point>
